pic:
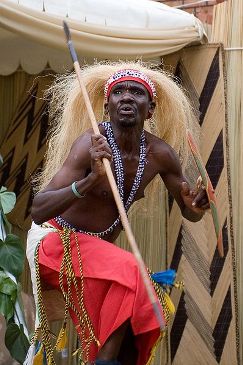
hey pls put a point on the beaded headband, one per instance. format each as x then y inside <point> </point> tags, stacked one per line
<point>129,75</point>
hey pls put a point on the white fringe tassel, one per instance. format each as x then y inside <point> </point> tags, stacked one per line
<point>30,355</point>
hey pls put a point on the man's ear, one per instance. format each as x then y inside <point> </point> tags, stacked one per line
<point>151,109</point>
<point>106,111</point>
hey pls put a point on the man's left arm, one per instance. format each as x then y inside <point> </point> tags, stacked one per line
<point>192,202</point>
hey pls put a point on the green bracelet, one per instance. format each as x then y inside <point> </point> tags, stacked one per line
<point>75,191</point>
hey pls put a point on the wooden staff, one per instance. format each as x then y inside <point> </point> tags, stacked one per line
<point>131,239</point>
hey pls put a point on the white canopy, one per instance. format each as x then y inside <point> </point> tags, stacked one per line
<point>31,33</point>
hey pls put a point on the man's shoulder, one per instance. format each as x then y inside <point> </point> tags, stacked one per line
<point>157,144</point>
<point>85,137</point>
<point>83,140</point>
<point>162,154</point>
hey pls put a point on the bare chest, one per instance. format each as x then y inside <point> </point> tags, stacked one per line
<point>130,167</point>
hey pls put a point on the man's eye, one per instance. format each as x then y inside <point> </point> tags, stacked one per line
<point>117,92</point>
<point>137,92</point>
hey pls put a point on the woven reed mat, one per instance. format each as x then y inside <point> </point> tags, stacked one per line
<point>205,327</point>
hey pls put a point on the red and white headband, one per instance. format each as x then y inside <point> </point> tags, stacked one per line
<point>129,75</point>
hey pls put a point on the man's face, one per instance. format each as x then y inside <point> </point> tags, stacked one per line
<point>129,104</point>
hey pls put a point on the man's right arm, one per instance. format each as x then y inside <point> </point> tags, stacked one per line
<point>58,196</point>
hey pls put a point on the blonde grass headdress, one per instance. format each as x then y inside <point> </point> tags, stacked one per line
<point>69,117</point>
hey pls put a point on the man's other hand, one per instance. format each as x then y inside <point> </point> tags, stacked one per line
<point>195,200</point>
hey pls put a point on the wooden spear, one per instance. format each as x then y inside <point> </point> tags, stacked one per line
<point>112,182</point>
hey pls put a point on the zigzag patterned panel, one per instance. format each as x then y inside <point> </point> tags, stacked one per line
<point>24,147</point>
<point>204,330</point>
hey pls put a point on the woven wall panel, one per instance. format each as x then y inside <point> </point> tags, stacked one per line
<point>23,148</point>
<point>204,330</point>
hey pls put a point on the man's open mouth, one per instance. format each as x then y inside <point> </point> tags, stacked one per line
<point>126,110</point>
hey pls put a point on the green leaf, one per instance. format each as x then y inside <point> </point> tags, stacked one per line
<point>6,306</point>
<point>12,255</point>
<point>7,200</point>
<point>19,297</point>
<point>8,286</point>
<point>16,342</point>
<point>7,225</point>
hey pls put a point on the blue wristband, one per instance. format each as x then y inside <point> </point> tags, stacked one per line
<point>75,191</point>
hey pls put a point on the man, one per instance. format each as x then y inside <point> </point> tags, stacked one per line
<point>101,283</point>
